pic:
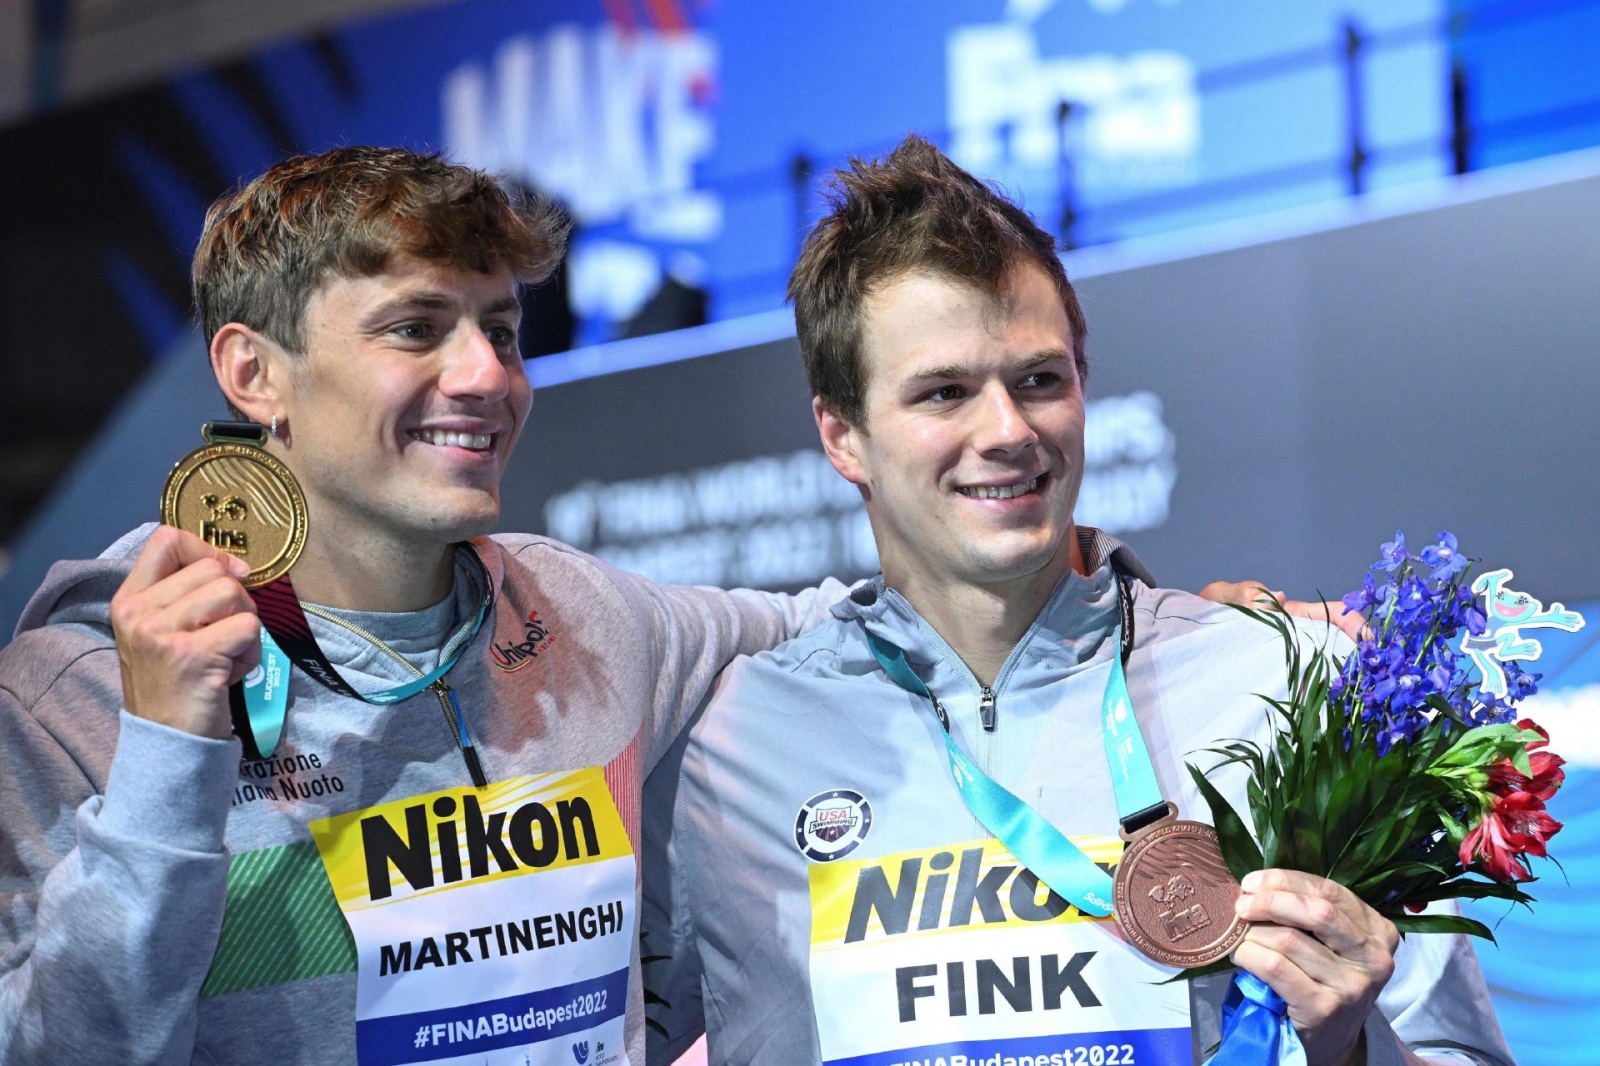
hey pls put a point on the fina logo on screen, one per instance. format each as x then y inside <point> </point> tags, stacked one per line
<point>784,521</point>
<point>1136,118</point>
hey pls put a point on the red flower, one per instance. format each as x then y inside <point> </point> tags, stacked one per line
<point>1505,779</point>
<point>1516,825</point>
<point>1529,723</point>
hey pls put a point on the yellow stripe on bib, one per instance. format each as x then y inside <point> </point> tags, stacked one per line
<point>461,837</point>
<point>955,887</point>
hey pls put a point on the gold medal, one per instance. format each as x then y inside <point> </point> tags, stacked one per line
<point>235,496</point>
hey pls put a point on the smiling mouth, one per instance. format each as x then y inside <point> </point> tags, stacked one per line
<point>1000,492</point>
<point>474,442</point>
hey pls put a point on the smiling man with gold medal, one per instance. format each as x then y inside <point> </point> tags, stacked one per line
<point>277,799</point>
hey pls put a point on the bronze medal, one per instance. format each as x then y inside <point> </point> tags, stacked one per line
<point>1174,895</point>
<point>235,496</point>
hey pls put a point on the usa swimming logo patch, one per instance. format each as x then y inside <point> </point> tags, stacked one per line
<point>832,824</point>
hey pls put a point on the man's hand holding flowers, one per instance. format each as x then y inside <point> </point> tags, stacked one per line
<point>1324,951</point>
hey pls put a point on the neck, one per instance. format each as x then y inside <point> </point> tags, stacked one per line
<point>982,623</point>
<point>373,574</point>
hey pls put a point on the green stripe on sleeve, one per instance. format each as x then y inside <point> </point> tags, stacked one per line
<point>281,923</point>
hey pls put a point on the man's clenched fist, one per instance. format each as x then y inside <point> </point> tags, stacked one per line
<point>185,630</point>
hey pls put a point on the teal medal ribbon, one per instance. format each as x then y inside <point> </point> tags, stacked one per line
<point>266,695</point>
<point>1037,844</point>
<point>258,709</point>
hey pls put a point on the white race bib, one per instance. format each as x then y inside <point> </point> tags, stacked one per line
<point>957,956</point>
<point>492,926</point>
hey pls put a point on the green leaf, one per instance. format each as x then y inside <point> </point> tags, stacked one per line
<point>1239,851</point>
<point>1442,923</point>
<point>1379,880</point>
<point>1471,888</point>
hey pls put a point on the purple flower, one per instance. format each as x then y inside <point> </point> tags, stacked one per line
<point>1388,738</point>
<point>1364,597</point>
<point>1468,611</point>
<point>1444,557</point>
<point>1411,599</point>
<point>1520,684</point>
<point>1394,554</point>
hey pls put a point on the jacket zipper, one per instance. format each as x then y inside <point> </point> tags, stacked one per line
<point>446,695</point>
<point>986,709</point>
<point>469,754</point>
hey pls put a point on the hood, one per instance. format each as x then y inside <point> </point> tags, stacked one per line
<point>80,590</point>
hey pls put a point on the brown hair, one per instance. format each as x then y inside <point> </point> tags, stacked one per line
<point>268,246</point>
<point>914,211</point>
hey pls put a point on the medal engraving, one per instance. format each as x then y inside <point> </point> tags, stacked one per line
<point>1174,895</point>
<point>240,499</point>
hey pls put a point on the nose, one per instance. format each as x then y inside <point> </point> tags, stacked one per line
<point>474,368</point>
<point>1003,428</point>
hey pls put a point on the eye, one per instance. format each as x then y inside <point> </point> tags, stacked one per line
<point>503,337</point>
<point>944,394</point>
<point>1040,379</point>
<point>413,331</point>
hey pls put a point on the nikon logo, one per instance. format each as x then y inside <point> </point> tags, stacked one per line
<point>948,898</point>
<point>531,836</point>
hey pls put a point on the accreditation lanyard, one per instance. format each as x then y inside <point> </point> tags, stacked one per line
<point>259,703</point>
<point>1037,844</point>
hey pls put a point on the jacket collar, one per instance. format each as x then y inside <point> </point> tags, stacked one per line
<point>1080,613</point>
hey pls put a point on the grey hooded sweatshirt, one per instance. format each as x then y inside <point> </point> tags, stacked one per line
<point>161,900</point>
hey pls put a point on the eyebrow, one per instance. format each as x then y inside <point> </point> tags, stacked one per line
<point>433,300</point>
<point>958,370</point>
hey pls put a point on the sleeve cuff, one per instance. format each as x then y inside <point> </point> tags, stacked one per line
<point>169,786</point>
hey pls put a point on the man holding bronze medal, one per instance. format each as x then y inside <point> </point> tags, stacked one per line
<point>889,840</point>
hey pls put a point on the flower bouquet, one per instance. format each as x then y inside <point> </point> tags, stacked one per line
<point>1402,771</point>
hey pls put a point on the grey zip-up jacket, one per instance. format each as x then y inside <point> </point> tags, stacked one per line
<point>817,725</point>
<point>161,901</point>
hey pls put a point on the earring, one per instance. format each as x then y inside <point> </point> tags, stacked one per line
<point>273,429</point>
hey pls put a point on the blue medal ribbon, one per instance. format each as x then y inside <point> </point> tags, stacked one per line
<point>266,696</point>
<point>1256,1026</point>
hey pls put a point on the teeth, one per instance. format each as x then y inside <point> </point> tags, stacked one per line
<point>1000,492</point>
<point>472,441</point>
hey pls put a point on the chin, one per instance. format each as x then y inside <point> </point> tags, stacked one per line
<point>1020,562</point>
<point>463,523</point>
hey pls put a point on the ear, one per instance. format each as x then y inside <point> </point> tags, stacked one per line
<point>252,372</point>
<point>841,442</point>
